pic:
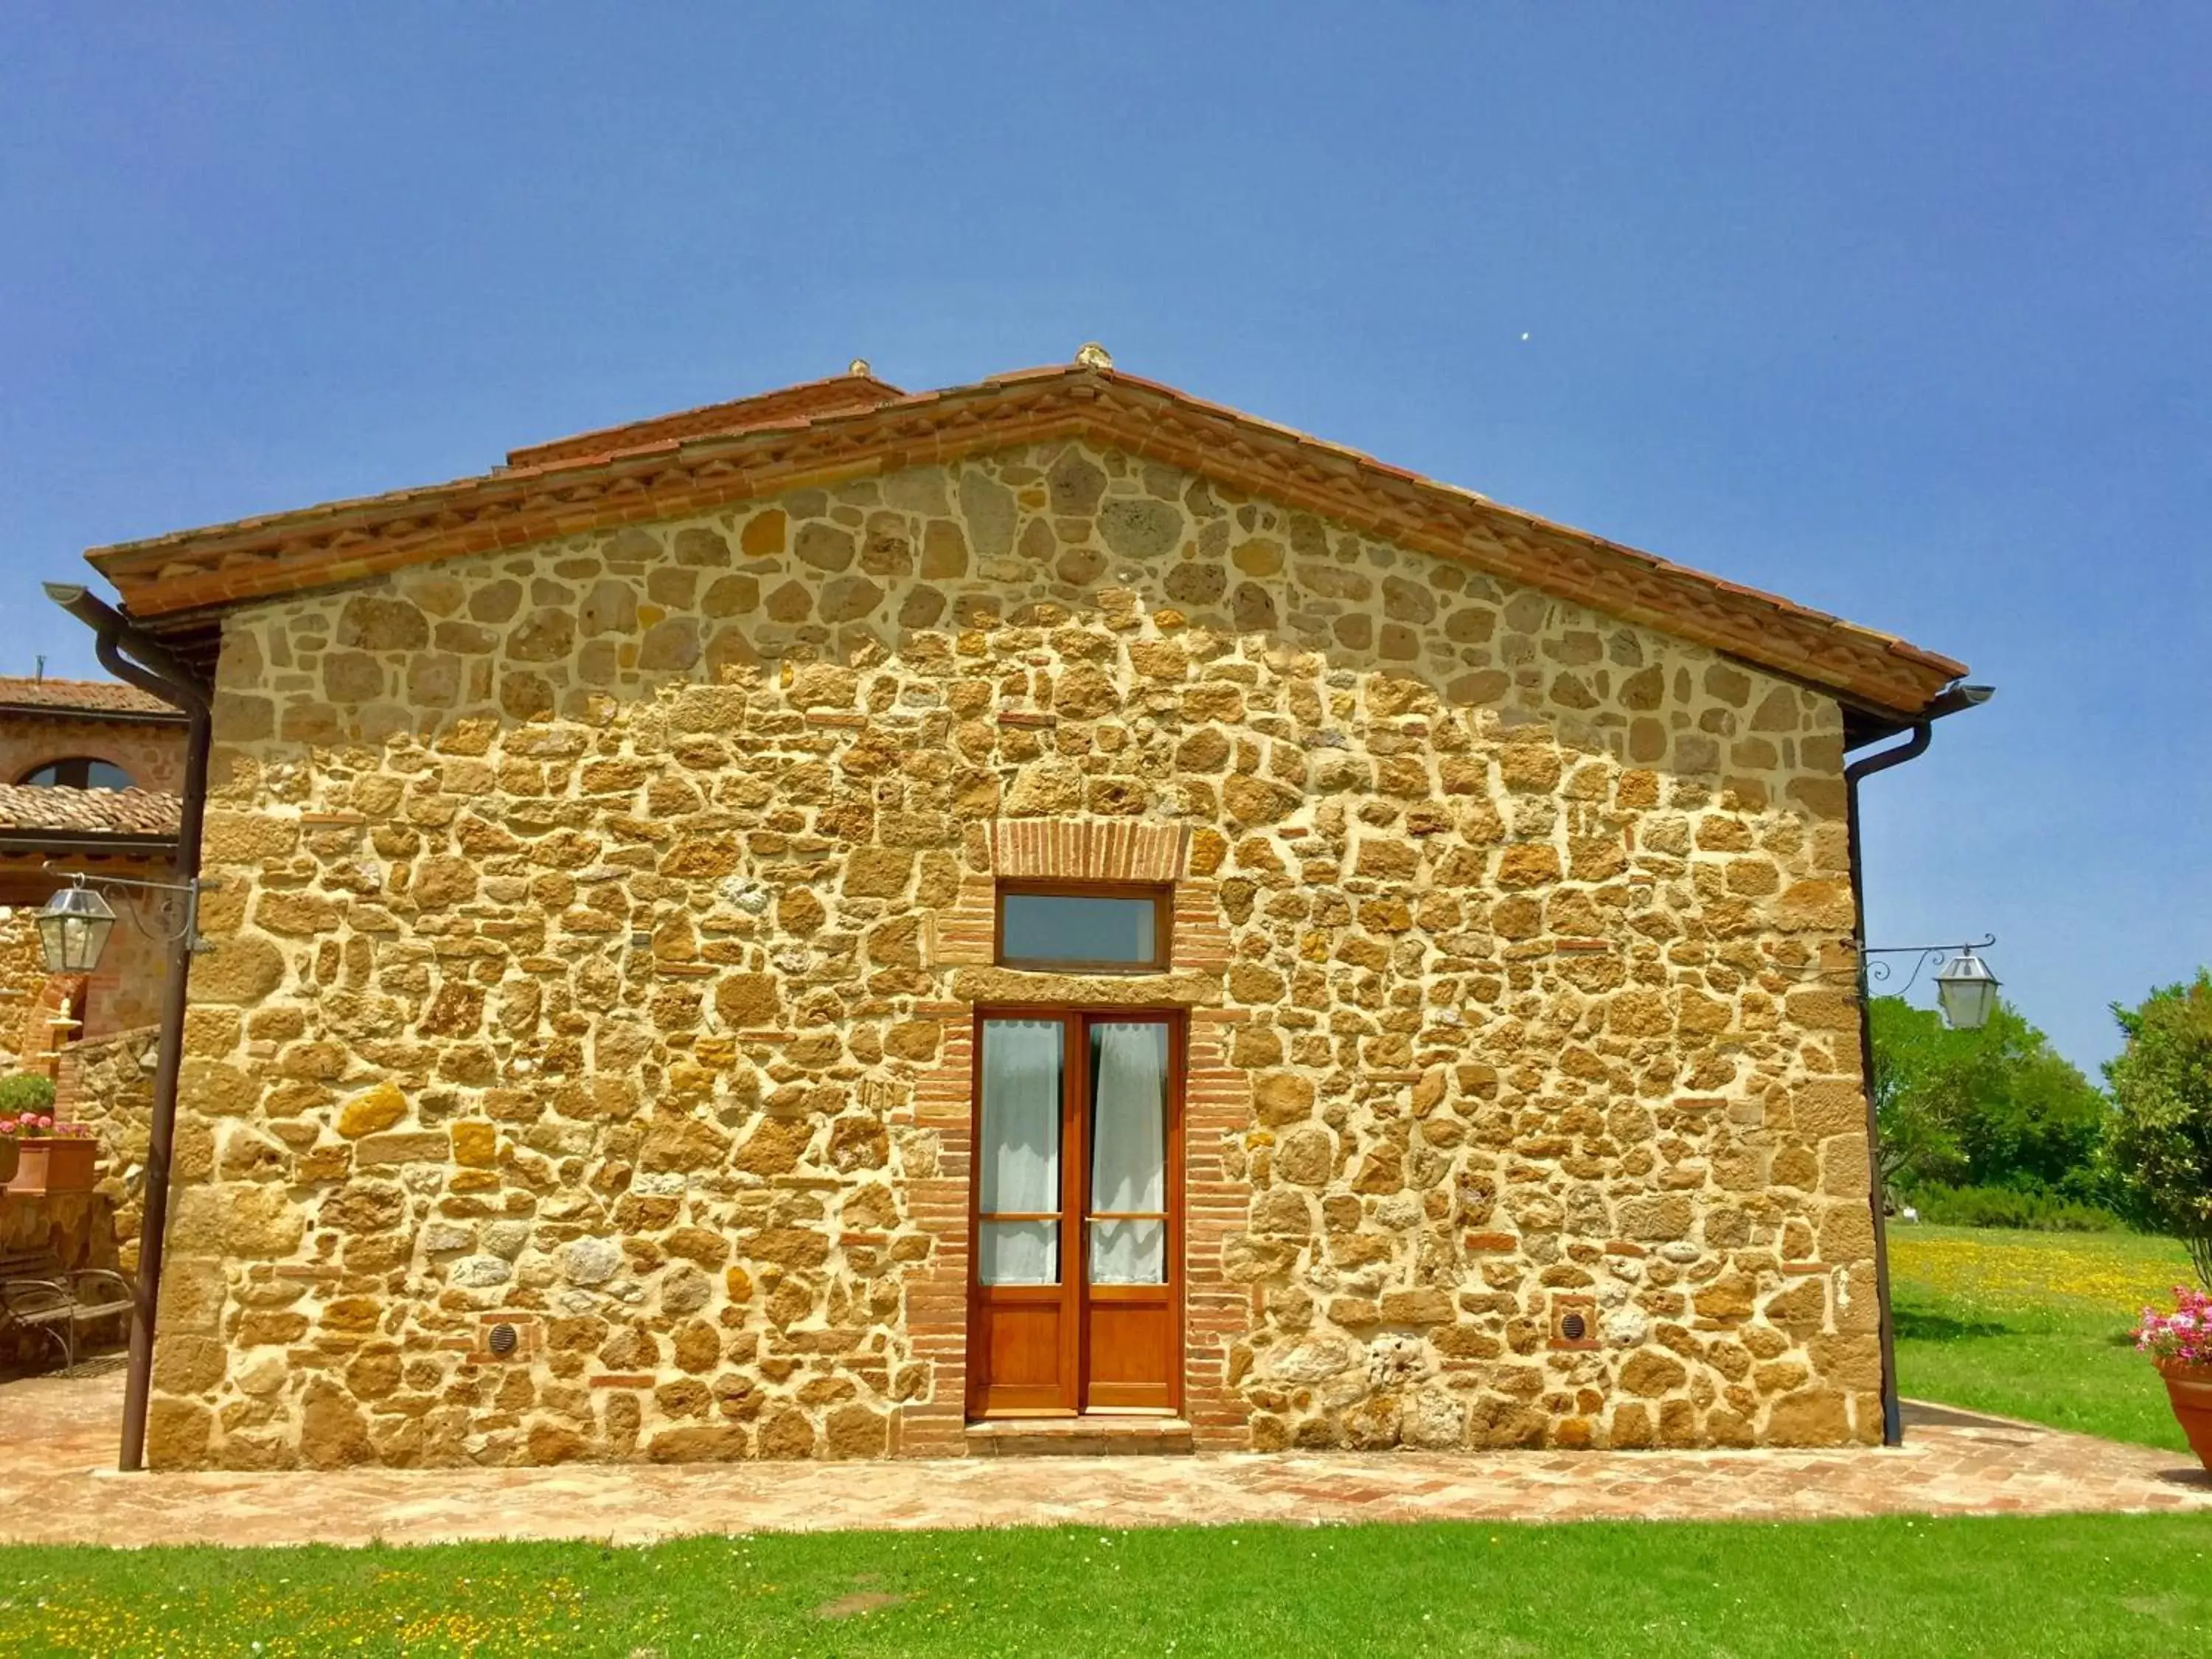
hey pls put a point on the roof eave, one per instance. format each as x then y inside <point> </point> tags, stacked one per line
<point>73,712</point>
<point>82,841</point>
<point>344,542</point>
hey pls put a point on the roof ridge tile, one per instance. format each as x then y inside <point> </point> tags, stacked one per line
<point>186,575</point>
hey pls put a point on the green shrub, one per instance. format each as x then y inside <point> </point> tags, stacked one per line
<point>2001,1206</point>
<point>26,1091</point>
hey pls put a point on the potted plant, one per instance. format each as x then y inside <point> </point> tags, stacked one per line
<point>2181,1344</point>
<point>25,1099</point>
<point>61,1158</point>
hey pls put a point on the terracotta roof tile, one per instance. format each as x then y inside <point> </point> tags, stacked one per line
<point>91,812</point>
<point>177,584</point>
<point>84,697</point>
<point>841,394</point>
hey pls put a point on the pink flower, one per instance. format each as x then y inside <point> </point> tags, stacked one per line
<point>2184,1334</point>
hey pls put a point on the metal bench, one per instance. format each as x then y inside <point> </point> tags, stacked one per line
<point>39,1294</point>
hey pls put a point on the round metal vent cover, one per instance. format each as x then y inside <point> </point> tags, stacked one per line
<point>503,1340</point>
<point>1572,1326</point>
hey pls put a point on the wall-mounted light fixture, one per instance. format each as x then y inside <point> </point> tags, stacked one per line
<point>1964,985</point>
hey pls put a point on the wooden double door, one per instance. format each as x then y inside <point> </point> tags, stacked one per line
<point>1075,1293</point>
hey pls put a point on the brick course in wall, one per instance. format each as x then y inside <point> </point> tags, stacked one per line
<point>602,923</point>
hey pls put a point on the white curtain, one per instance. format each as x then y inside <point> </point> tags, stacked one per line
<point>1128,1151</point>
<point>1019,1158</point>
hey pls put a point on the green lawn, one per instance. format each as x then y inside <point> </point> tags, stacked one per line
<point>2030,1325</point>
<point>2074,1586</point>
<point>2035,1325</point>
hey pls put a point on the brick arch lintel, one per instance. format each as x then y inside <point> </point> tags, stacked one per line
<point>1088,849</point>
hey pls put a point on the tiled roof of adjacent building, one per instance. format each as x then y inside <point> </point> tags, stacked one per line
<point>83,697</point>
<point>842,394</point>
<point>178,585</point>
<point>26,806</point>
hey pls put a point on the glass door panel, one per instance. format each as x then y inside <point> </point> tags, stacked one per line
<point>1127,1218</point>
<point>1075,1302</point>
<point>1018,1160</point>
<point>1129,1252</point>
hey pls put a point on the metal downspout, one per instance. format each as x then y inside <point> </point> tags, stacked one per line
<point>1892,1414</point>
<point>156,671</point>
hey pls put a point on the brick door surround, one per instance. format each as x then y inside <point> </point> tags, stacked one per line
<point>1217,1108</point>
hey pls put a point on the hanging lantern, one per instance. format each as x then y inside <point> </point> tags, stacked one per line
<point>1968,990</point>
<point>73,929</point>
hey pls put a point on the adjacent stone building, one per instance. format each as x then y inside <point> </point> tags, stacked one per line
<point>89,734</point>
<point>88,769</point>
<point>624,853</point>
<point>88,775</point>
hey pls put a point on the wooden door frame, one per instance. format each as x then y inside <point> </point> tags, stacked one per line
<point>1075,1178</point>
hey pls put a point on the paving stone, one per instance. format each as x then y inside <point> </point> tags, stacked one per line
<point>57,1486</point>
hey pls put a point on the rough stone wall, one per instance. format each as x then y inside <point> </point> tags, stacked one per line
<point>109,1083</point>
<point>600,925</point>
<point>123,995</point>
<point>153,755</point>
<point>23,977</point>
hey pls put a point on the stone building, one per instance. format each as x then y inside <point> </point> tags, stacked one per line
<point>88,769</point>
<point>43,833</point>
<point>88,775</point>
<point>848,924</point>
<point>89,734</point>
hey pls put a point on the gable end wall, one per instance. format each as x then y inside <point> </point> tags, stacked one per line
<point>600,925</point>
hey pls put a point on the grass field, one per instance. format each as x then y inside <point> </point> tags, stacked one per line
<point>2030,1325</point>
<point>2073,1586</point>
<point>2035,1325</point>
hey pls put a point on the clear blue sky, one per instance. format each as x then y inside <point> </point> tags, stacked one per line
<point>1907,317</point>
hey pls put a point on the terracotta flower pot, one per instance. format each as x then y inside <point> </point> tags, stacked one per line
<point>2190,1388</point>
<point>9,1154</point>
<point>55,1163</point>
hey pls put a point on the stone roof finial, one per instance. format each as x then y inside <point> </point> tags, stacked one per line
<point>858,366</point>
<point>1093,355</point>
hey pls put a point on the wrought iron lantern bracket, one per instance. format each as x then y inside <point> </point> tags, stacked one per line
<point>182,901</point>
<point>1965,986</point>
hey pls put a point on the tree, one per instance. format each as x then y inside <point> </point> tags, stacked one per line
<point>2161,1142</point>
<point>1994,1108</point>
<point>1918,1097</point>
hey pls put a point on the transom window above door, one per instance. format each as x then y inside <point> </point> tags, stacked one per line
<point>1094,928</point>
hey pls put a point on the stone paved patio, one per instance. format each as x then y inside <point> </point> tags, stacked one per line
<point>58,1486</point>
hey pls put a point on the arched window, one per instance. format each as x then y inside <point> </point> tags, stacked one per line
<point>79,772</point>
